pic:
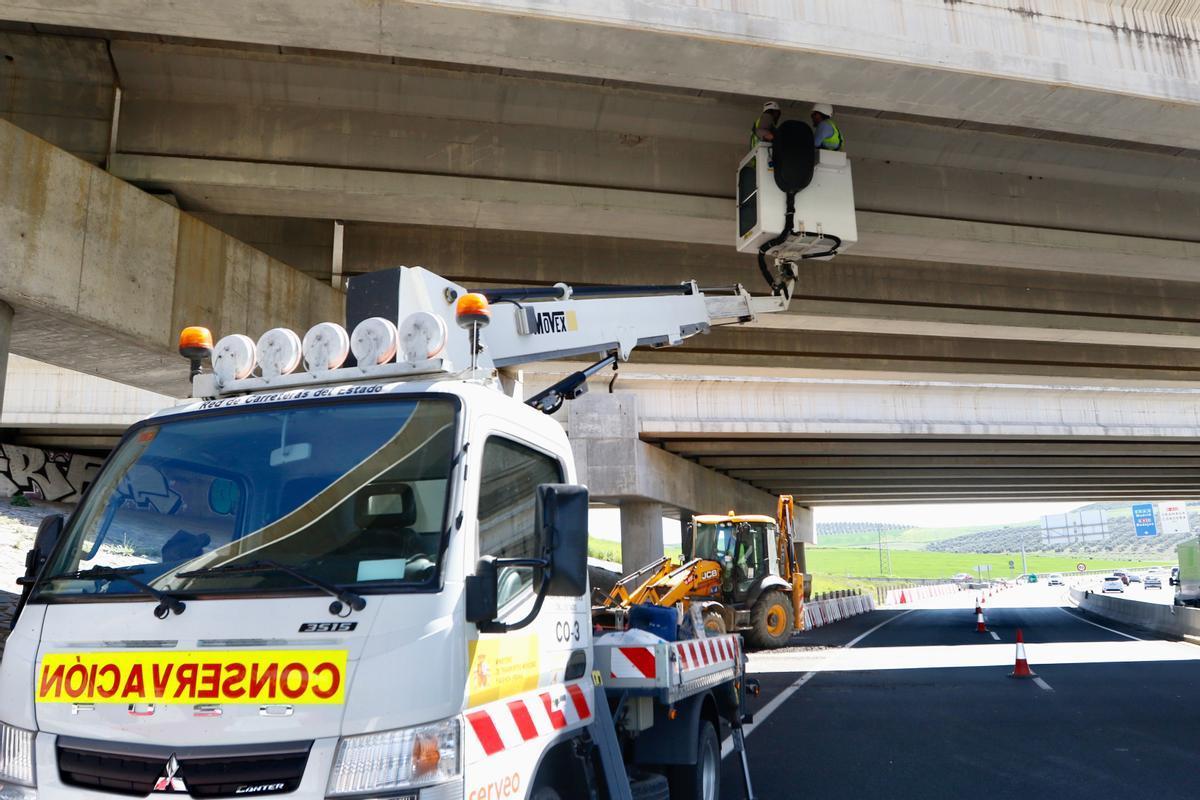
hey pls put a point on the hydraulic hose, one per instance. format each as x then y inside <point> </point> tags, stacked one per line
<point>837,243</point>
<point>789,215</point>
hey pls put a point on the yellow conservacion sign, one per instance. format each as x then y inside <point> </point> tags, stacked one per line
<point>501,667</point>
<point>230,676</point>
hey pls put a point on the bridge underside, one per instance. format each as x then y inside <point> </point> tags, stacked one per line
<point>1027,222</point>
<point>860,471</point>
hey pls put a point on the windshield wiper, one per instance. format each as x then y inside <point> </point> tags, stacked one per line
<point>345,597</point>
<point>167,602</point>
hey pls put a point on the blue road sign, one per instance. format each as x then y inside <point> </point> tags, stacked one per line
<point>1144,523</point>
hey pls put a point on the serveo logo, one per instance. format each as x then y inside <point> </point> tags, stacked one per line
<point>509,786</point>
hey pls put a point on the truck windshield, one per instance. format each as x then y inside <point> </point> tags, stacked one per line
<point>352,493</point>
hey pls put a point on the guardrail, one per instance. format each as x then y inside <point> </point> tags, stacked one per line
<point>1172,620</point>
<point>835,608</point>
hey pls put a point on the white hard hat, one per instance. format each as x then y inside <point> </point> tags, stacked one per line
<point>823,108</point>
<point>770,105</point>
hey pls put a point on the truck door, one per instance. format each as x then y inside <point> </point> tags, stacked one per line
<point>525,687</point>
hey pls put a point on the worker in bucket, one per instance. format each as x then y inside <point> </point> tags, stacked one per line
<point>826,134</point>
<point>764,127</point>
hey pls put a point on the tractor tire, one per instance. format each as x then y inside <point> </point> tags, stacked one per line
<point>649,786</point>
<point>771,620</point>
<point>714,624</point>
<point>702,780</point>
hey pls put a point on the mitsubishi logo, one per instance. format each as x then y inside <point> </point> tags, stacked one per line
<point>168,782</point>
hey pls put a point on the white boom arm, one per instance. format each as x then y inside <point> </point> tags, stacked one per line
<point>526,326</point>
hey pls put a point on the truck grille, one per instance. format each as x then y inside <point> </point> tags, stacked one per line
<point>206,775</point>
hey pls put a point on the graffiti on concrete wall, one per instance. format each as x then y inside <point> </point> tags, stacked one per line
<point>50,474</point>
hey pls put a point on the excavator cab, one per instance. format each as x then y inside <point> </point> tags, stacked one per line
<point>743,546</point>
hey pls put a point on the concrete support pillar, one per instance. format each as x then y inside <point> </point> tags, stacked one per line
<point>641,533</point>
<point>6,320</point>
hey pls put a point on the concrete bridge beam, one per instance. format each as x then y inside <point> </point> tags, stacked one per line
<point>619,468</point>
<point>1119,70</point>
<point>102,275</point>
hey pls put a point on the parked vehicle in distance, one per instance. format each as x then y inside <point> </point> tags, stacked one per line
<point>1055,579</point>
<point>1153,581</point>
<point>1114,583</point>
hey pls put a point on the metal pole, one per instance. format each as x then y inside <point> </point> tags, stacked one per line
<point>879,537</point>
<point>1024,566</point>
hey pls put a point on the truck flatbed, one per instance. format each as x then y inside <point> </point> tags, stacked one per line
<point>669,671</point>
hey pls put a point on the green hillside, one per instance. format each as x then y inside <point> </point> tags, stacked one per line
<point>901,538</point>
<point>1121,542</point>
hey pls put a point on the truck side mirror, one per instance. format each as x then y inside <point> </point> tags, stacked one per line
<point>562,514</point>
<point>561,519</point>
<point>48,533</point>
<point>483,593</point>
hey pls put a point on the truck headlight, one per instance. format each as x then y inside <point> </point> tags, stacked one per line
<point>17,779</point>
<point>401,759</point>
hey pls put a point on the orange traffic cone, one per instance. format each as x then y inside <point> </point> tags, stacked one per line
<point>1021,670</point>
<point>980,625</point>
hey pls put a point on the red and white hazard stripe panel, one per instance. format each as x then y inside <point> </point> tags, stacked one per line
<point>509,723</point>
<point>698,654</point>
<point>633,662</point>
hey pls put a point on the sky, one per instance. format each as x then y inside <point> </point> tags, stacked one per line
<point>605,523</point>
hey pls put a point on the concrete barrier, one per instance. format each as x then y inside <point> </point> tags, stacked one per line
<point>835,609</point>
<point>1177,621</point>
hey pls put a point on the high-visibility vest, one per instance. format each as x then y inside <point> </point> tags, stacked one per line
<point>754,131</point>
<point>834,141</point>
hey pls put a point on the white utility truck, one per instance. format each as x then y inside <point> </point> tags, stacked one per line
<point>353,566</point>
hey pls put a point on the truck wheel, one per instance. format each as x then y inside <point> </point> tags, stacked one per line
<point>771,620</point>
<point>702,780</point>
<point>714,624</point>
<point>649,786</point>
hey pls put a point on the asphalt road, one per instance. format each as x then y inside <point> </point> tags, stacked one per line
<point>922,707</point>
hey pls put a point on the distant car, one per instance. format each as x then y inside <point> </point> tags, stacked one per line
<point>963,577</point>
<point>1153,581</point>
<point>1121,574</point>
<point>1055,579</point>
<point>1134,577</point>
<point>1174,579</point>
<point>1114,583</point>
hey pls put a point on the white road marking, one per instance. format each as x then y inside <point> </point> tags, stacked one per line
<point>994,636</point>
<point>1043,684</point>
<point>781,698</point>
<point>1098,625</point>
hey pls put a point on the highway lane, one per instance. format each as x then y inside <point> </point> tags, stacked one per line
<point>1134,591</point>
<point>923,707</point>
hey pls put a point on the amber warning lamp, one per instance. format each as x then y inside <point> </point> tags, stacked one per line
<point>473,313</point>
<point>195,344</point>
<point>472,309</point>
